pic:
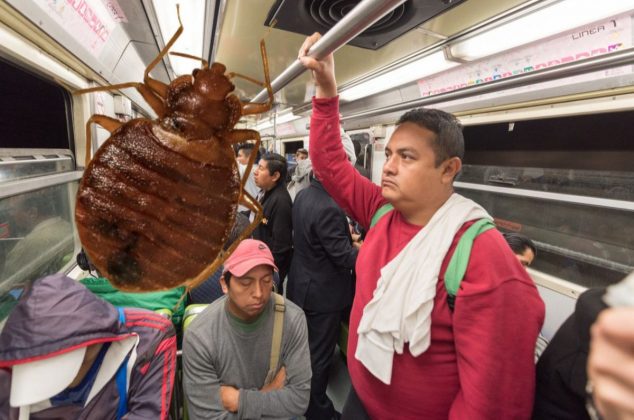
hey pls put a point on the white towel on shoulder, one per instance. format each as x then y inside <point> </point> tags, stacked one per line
<point>400,310</point>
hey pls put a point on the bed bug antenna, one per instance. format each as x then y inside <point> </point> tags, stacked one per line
<point>193,57</point>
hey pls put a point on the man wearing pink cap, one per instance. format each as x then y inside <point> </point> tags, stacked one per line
<point>229,352</point>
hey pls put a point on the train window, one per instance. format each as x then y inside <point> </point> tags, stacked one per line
<point>34,112</point>
<point>567,183</point>
<point>36,237</point>
<point>20,164</point>
<point>615,185</point>
<point>580,243</point>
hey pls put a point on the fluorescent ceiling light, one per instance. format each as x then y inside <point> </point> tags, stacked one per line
<point>281,119</point>
<point>191,40</point>
<point>557,18</point>
<point>428,65</point>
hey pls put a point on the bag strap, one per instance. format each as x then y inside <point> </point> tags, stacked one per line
<point>121,378</point>
<point>382,211</point>
<point>460,259</point>
<point>276,342</point>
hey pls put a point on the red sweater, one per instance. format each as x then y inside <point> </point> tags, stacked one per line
<point>480,361</point>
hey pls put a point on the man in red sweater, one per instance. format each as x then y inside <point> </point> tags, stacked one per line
<point>479,362</point>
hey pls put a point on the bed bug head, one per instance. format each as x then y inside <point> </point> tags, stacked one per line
<point>200,105</point>
<point>212,82</point>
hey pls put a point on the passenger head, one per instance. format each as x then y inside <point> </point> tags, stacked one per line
<point>447,140</point>
<point>423,157</point>
<point>248,279</point>
<point>271,171</point>
<point>301,154</point>
<point>244,152</point>
<point>523,248</point>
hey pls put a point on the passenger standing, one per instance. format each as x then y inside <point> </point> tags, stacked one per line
<point>561,369</point>
<point>228,353</point>
<point>276,229</point>
<point>562,378</point>
<point>409,355</point>
<point>320,282</point>
<point>244,152</point>
<point>300,156</point>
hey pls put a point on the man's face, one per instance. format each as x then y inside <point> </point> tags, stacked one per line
<point>526,258</point>
<point>300,156</point>
<point>410,178</point>
<point>242,158</point>
<point>263,177</point>
<point>249,294</point>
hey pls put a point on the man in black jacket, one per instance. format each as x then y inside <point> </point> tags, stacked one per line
<point>561,371</point>
<point>276,230</point>
<point>320,282</point>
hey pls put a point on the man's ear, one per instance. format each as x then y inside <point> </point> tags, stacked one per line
<point>223,285</point>
<point>451,167</point>
<point>276,176</point>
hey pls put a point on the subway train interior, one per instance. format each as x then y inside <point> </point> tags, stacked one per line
<point>544,90</point>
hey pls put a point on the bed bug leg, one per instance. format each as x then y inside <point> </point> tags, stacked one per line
<point>104,121</point>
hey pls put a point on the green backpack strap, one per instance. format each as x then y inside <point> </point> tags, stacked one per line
<point>460,259</point>
<point>382,211</point>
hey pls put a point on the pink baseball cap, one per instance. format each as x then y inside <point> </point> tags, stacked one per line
<point>249,254</point>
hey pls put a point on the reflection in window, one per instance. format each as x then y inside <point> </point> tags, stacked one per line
<point>586,245</point>
<point>604,184</point>
<point>36,237</point>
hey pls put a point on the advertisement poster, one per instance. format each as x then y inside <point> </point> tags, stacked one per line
<point>590,41</point>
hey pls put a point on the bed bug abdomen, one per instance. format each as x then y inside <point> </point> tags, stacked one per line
<point>153,209</point>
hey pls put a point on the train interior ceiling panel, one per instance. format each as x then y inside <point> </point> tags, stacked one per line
<point>543,88</point>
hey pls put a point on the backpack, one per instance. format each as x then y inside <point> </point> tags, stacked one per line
<point>459,260</point>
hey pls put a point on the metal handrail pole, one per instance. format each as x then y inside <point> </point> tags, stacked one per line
<point>352,24</point>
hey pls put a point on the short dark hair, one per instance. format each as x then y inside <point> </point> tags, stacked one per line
<point>302,151</point>
<point>227,276</point>
<point>519,243</point>
<point>276,163</point>
<point>449,141</point>
<point>247,147</point>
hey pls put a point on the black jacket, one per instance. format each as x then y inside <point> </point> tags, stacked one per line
<point>561,370</point>
<point>277,232</point>
<point>321,272</point>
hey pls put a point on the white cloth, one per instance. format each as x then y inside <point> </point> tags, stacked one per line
<point>400,309</point>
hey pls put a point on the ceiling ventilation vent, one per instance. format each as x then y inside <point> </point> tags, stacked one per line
<point>308,16</point>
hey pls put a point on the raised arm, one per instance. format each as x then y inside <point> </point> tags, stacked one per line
<point>353,192</point>
<point>323,70</point>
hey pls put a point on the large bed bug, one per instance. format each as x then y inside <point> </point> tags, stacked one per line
<point>158,199</point>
